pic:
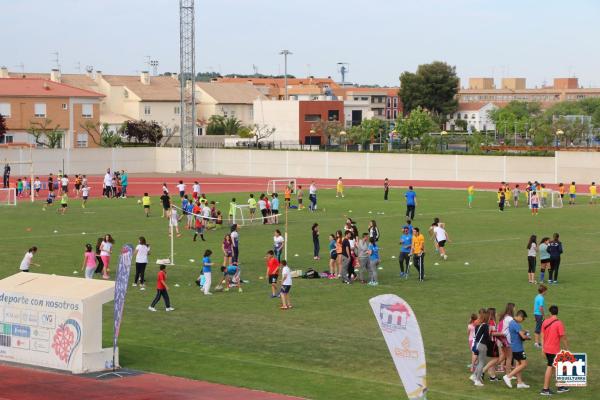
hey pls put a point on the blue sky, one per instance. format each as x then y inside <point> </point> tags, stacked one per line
<point>538,40</point>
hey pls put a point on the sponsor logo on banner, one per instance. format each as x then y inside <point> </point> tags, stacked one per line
<point>48,320</point>
<point>66,340</point>
<point>402,335</point>
<point>571,369</point>
<point>20,343</point>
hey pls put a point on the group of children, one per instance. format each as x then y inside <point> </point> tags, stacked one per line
<point>498,345</point>
<point>550,251</point>
<point>536,195</point>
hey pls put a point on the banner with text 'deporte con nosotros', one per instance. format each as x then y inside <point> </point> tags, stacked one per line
<point>402,335</point>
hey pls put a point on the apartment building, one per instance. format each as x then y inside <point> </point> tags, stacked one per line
<point>274,88</point>
<point>476,117</point>
<point>294,120</point>
<point>562,89</point>
<point>45,105</point>
<point>368,102</point>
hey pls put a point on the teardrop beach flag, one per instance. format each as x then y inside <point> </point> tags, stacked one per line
<point>401,332</point>
<point>121,284</point>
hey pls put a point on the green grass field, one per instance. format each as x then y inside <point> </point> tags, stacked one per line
<point>329,346</point>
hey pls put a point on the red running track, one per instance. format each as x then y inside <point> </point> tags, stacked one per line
<point>30,384</point>
<point>138,185</point>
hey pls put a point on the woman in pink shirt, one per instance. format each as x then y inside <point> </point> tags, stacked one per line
<point>89,262</point>
<point>105,252</point>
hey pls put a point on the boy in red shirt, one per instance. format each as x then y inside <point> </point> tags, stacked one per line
<point>272,272</point>
<point>553,335</point>
<point>161,290</point>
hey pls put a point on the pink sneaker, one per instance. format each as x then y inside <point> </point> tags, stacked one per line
<point>105,276</point>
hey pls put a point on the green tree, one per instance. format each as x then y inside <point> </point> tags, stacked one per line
<point>45,134</point>
<point>232,126</point>
<point>366,132</point>
<point>415,125</point>
<point>142,131</point>
<point>433,87</point>
<point>216,125</point>
<point>102,135</point>
<point>330,129</point>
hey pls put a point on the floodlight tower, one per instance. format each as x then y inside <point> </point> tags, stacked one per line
<point>187,80</point>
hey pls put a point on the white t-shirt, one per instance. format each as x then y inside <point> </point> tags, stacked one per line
<point>107,179</point>
<point>312,189</point>
<point>440,233</point>
<point>505,331</point>
<point>532,252</point>
<point>105,248</point>
<point>85,191</point>
<point>26,261</point>
<point>235,236</point>
<point>206,212</point>
<point>142,253</point>
<point>64,181</point>
<point>164,189</point>
<point>278,242</point>
<point>181,187</point>
<point>196,188</point>
<point>37,184</point>
<point>287,281</point>
<point>262,205</point>
<point>173,220</point>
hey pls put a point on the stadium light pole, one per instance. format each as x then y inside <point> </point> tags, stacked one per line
<point>285,54</point>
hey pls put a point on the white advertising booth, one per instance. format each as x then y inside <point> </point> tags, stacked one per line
<point>54,321</point>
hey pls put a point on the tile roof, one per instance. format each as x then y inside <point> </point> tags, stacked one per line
<point>161,88</point>
<point>280,82</point>
<point>473,106</point>
<point>230,93</point>
<point>81,81</point>
<point>37,87</point>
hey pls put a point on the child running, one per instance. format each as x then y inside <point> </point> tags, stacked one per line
<point>286,286</point>
<point>174,222</point>
<point>64,203</point>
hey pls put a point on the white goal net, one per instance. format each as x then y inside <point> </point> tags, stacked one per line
<point>8,197</point>
<point>548,199</point>
<point>279,185</point>
<point>242,215</point>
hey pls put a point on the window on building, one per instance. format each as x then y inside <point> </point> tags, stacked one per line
<point>39,110</point>
<point>389,102</point>
<point>395,102</point>
<point>465,116</point>
<point>380,111</point>
<point>472,116</point>
<point>232,113</point>
<point>333,115</point>
<point>87,110</point>
<point>388,114</point>
<point>356,98</point>
<point>176,110</point>
<point>395,114</point>
<point>64,106</point>
<point>82,140</point>
<point>364,98</point>
<point>5,109</point>
<point>6,139</point>
<point>225,113</point>
<point>147,110</point>
<point>312,117</point>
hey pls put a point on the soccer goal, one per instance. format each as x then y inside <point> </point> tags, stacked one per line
<point>549,199</point>
<point>279,185</point>
<point>8,197</point>
<point>241,215</point>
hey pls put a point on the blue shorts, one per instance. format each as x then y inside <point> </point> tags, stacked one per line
<point>286,288</point>
<point>572,195</point>
<point>535,206</point>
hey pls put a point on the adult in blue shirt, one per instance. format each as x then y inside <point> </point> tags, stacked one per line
<point>411,203</point>
<point>405,247</point>
<point>124,183</point>
<point>517,336</point>
<point>555,249</point>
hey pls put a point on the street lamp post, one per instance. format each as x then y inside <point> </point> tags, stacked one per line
<point>559,133</point>
<point>285,54</point>
<point>442,134</point>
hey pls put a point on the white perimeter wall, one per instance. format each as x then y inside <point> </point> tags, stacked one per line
<point>564,167</point>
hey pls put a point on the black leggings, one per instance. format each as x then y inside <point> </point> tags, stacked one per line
<point>316,246</point>
<point>164,294</point>
<point>531,264</point>
<point>554,265</point>
<point>410,212</point>
<point>419,262</point>
<point>140,269</point>
<point>404,262</point>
